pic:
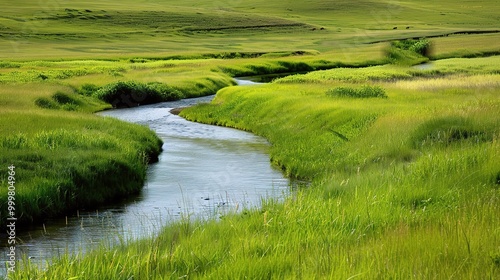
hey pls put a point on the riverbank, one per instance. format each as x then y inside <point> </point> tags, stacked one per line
<point>57,162</point>
<point>203,172</point>
<point>403,162</point>
<point>404,183</point>
<point>67,159</point>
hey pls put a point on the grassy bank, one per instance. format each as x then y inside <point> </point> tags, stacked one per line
<point>66,158</point>
<point>403,162</point>
<point>404,184</point>
<point>154,79</point>
<point>403,187</point>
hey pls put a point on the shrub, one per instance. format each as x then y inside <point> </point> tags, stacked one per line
<point>409,51</point>
<point>166,92</point>
<point>131,94</point>
<point>363,92</point>
<point>121,94</point>
<point>46,103</point>
<point>422,47</point>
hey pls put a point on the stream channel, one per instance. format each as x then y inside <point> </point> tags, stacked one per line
<point>203,172</point>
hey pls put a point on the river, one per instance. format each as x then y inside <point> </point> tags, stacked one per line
<point>203,172</point>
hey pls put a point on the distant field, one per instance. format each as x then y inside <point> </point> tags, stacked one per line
<point>50,29</point>
<point>404,183</point>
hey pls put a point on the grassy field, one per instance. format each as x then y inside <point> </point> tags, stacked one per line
<point>106,30</point>
<point>65,157</point>
<point>402,161</point>
<point>403,186</point>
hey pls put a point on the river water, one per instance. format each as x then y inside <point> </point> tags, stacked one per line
<point>203,172</point>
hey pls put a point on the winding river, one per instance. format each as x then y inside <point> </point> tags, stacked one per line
<point>203,172</point>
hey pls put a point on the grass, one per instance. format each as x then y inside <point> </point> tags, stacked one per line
<point>65,157</point>
<point>396,182</point>
<point>363,92</point>
<point>404,186</point>
<point>105,30</point>
<point>401,187</point>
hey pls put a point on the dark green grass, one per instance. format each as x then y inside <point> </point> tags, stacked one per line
<point>363,92</point>
<point>131,94</point>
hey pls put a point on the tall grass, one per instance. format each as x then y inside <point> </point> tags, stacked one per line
<point>441,68</point>
<point>412,195</point>
<point>363,92</point>
<point>107,30</point>
<point>401,187</point>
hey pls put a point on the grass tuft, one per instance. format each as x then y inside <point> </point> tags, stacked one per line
<point>87,89</point>
<point>449,130</point>
<point>363,92</point>
<point>65,99</point>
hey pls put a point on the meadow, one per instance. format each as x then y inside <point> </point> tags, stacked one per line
<point>401,160</point>
<point>403,185</point>
<point>66,158</point>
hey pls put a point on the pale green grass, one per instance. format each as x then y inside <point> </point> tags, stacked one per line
<point>452,66</point>
<point>401,187</point>
<point>67,158</point>
<point>455,82</point>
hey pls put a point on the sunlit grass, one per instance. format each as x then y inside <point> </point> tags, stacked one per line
<point>65,157</point>
<point>403,187</point>
<point>485,66</point>
<point>403,196</point>
<point>452,82</point>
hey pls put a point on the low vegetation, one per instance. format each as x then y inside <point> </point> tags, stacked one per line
<point>402,186</point>
<point>409,51</point>
<point>65,158</point>
<point>363,92</point>
<point>401,159</point>
<point>131,94</point>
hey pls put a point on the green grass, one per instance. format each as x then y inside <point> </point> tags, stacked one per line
<point>363,92</point>
<point>106,30</point>
<point>401,187</point>
<point>66,158</point>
